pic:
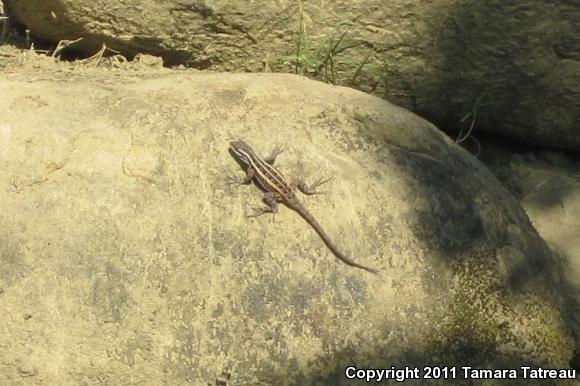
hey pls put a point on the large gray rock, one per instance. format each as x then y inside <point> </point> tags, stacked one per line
<point>514,65</point>
<point>126,257</point>
<point>547,185</point>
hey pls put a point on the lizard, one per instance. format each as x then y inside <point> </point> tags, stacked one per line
<point>278,189</point>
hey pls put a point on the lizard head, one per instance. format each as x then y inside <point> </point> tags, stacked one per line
<point>241,150</point>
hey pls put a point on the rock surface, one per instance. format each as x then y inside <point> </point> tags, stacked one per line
<point>513,66</point>
<point>547,185</point>
<point>127,258</point>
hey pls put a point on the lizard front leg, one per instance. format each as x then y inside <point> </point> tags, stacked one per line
<point>250,173</point>
<point>275,152</point>
<point>309,189</point>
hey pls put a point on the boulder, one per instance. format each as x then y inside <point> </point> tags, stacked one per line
<point>547,185</point>
<point>510,67</point>
<point>127,257</point>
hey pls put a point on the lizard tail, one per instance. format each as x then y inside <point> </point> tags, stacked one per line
<point>329,243</point>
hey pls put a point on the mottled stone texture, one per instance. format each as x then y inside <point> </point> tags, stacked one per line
<point>127,258</point>
<point>514,66</point>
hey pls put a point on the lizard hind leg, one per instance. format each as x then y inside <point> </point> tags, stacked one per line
<point>309,189</point>
<point>271,199</point>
